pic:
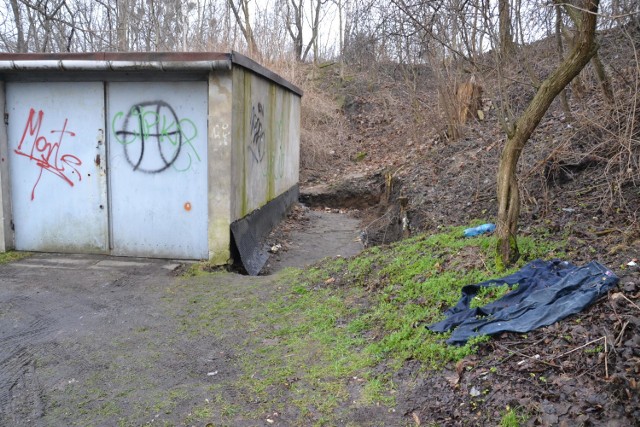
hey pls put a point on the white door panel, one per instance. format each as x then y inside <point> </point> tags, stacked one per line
<point>157,137</point>
<point>56,155</point>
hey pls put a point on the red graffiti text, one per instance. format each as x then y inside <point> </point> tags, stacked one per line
<point>45,153</point>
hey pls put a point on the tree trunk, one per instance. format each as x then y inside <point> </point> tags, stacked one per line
<point>21,46</point>
<point>507,46</point>
<point>244,22</point>
<point>603,78</point>
<point>564,100</point>
<point>508,193</point>
<point>122,23</point>
<point>315,18</point>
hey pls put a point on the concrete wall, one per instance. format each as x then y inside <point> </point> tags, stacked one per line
<point>266,135</point>
<point>6,232</point>
<point>220,182</point>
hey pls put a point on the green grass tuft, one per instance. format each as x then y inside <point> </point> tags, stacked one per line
<point>512,418</point>
<point>11,256</point>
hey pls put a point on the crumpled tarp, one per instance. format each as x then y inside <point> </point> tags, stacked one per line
<point>547,291</point>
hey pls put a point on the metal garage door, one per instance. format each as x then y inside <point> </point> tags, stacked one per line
<point>149,151</point>
<point>157,137</point>
<point>56,155</point>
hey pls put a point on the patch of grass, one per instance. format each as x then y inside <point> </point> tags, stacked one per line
<point>320,339</point>
<point>415,280</point>
<point>512,418</point>
<point>10,256</point>
<point>199,269</point>
<point>194,270</point>
<point>594,350</point>
<point>360,156</point>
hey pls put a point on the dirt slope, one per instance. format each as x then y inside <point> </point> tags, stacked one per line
<point>580,183</point>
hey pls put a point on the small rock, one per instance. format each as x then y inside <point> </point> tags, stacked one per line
<point>275,248</point>
<point>630,287</point>
<point>549,419</point>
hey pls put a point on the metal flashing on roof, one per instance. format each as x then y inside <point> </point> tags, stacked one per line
<point>13,63</point>
<point>252,65</point>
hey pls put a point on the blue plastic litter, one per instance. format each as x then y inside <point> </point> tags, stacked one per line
<point>481,229</point>
<point>547,292</point>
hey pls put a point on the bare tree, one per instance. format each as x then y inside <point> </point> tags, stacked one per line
<point>294,15</point>
<point>508,193</point>
<point>17,15</point>
<point>239,7</point>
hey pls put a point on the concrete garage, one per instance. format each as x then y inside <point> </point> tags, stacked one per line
<point>161,155</point>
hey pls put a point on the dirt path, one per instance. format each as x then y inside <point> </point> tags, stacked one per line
<point>324,234</point>
<point>93,340</point>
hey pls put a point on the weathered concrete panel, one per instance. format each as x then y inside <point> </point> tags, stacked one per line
<point>266,135</point>
<point>220,179</point>
<point>256,156</point>
<point>6,232</point>
<point>287,160</point>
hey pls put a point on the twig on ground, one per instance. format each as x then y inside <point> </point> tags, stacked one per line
<point>581,347</point>
<point>606,357</point>
<point>630,302</point>
<point>530,357</point>
<point>618,340</point>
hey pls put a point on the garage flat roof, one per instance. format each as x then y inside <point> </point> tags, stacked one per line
<point>15,63</point>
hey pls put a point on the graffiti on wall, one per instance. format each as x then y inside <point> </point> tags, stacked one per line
<point>46,153</point>
<point>258,142</point>
<point>220,132</point>
<point>155,138</point>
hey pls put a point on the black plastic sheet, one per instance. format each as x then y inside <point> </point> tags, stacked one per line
<point>547,292</point>
<point>249,233</point>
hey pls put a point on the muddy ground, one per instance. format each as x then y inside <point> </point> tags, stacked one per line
<point>93,340</point>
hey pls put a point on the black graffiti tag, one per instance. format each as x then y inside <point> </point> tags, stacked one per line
<point>153,124</point>
<point>258,141</point>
